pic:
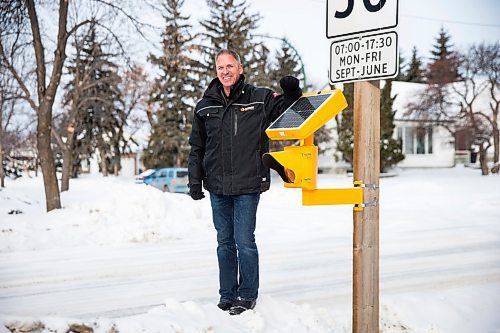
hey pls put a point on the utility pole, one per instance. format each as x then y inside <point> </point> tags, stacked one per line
<point>365,303</point>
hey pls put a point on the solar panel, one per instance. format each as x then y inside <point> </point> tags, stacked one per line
<point>299,112</point>
<point>307,115</point>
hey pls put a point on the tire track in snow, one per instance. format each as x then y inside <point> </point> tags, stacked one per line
<point>313,272</point>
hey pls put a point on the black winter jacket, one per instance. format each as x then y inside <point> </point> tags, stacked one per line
<point>228,138</point>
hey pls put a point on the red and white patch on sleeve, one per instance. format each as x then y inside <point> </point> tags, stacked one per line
<point>275,94</point>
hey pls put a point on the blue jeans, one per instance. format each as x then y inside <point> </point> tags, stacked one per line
<point>234,219</point>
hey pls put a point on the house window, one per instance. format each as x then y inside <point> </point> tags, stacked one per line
<point>420,137</point>
<point>416,140</point>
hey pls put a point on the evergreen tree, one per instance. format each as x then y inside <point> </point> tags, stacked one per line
<point>401,70</point>
<point>95,89</point>
<point>231,26</point>
<point>345,124</point>
<point>443,67</point>
<point>287,63</point>
<point>69,124</point>
<point>442,48</point>
<point>415,72</point>
<point>106,110</point>
<point>390,148</point>
<point>174,92</point>
<point>258,72</point>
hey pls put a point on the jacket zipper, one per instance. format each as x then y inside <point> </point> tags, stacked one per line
<point>235,122</point>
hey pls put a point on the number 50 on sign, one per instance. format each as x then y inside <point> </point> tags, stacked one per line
<point>347,17</point>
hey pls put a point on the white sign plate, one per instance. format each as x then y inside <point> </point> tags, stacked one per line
<point>347,17</point>
<point>364,57</point>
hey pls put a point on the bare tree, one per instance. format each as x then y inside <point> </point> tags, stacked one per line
<point>135,89</point>
<point>478,119</point>
<point>3,106</point>
<point>15,123</point>
<point>435,105</point>
<point>24,31</point>
<point>488,58</point>
<point>75,98</point>
<point>455,106</point>
<point>21,37</point>
<point>8,100</point>
<point>84,88</point>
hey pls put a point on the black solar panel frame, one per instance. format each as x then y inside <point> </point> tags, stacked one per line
<point>293,117</point>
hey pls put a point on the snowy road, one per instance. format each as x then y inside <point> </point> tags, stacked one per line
<point>124,280</point>
<point>439,258</point>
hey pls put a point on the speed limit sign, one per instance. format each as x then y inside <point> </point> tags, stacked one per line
<point>347,17</point>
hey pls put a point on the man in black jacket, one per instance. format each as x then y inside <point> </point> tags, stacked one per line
<point>227,143</point>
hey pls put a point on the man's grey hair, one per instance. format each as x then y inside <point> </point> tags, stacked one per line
<point>230,52</point>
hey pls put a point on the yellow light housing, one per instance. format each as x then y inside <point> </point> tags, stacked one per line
<point>297,165</point>
<point>307,115</point>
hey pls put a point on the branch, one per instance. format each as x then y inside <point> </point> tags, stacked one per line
<point>117,40</point>
<point>16,75</point>
<point>494,106</point>
<point>58,138</point>
<point>38,47</point>
<point>484,116</point>
<point>136,23</point>
<point>78,26</point>
<point>60,53</point>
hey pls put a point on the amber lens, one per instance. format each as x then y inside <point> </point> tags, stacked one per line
<point>290,175</point>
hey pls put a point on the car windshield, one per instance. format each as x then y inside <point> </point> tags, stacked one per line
<point>147,172</point>
<point>181,174</point>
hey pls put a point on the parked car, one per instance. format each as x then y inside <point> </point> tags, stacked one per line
<point>139,179</point>
<point>169,180</point>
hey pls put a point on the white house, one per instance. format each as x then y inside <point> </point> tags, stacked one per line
<point>424,145</point>
<point>428,145</point>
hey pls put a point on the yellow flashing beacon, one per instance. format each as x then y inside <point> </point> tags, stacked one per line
<point>298,165</point>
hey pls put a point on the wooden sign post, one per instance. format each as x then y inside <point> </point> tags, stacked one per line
<point>364,51</point>
<point>365,302</point>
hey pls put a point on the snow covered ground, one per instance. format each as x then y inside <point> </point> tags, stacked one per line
<point>124,257</point>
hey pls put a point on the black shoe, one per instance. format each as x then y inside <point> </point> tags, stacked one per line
<point>242,305</point>
<point>225,306</point>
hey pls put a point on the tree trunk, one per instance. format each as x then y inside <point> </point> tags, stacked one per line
<point>46,95</point>
<point>495,106</point>
<point>2,175</point>
<point>117,160</point>
<point>67,149</point>
<point>46,155</point>
<point>35,163</point>
<point>483,160</point>
<point>104,162</point>
<point>496,144</point>
<point>67,156</point>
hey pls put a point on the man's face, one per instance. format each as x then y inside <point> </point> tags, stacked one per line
<point>228,70</point>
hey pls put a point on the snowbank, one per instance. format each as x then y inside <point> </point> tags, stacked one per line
<point>96,211</point>
<point>124,257</point>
